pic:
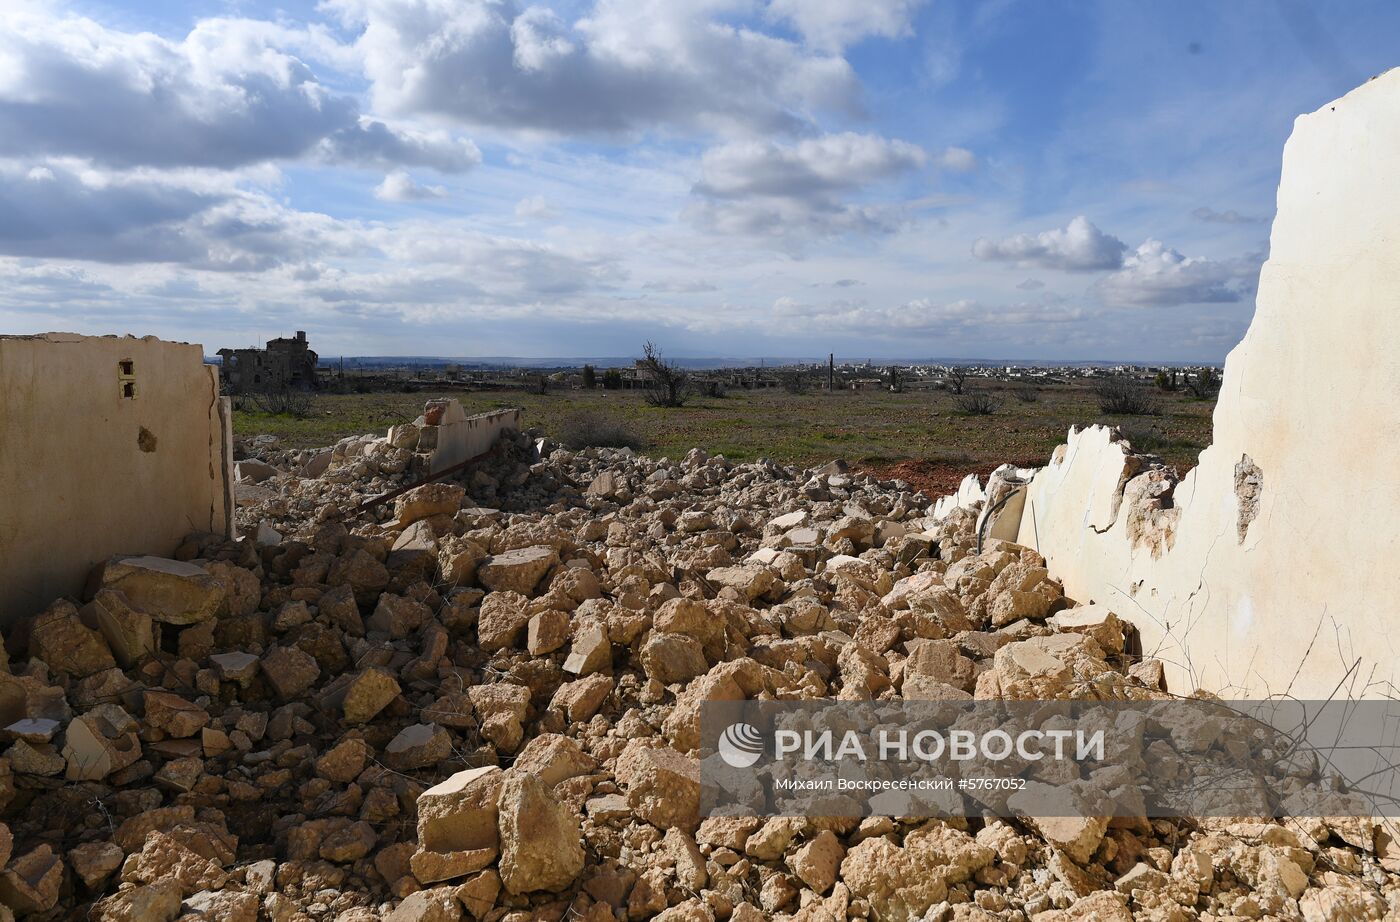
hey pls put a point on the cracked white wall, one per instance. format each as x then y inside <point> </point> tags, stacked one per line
<point>1307,601</point>
<point>108,445</point>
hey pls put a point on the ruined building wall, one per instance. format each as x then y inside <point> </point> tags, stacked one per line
<point>1272,565</point>
<point>108,445</point>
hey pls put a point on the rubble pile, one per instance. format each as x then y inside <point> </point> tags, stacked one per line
<point>480,701</point>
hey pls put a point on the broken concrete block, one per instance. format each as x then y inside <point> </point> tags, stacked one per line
<point>236,667</point>
<point>433,905</point>
<point>663,786</point>
<point>427,501</point>
<point>290,671</point>
<point>94,862</point>
<point>31,883</point>
<point>418,746</point>
<point>60,639</point>
<point>157,902</point>
<point>591,651</point>
<point>170,591</point>
<point>100,742</point>
<point>548,631</point>
<point>504,616</point>
<point>128,630</point>
<point>457,824</point>
<point>672,658</point>
<point>581,699</point>
<point>1096,621</point>
<point>34,759</point>
<point>174,715</point>
<point>540,838</point>
<point>553,757</point>
<point>368,692</point>
<point>518,570</point>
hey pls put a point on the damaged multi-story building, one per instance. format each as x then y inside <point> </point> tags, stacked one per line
<point>288,363</point>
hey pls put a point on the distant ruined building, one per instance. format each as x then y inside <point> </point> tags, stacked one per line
<point>286,364</point>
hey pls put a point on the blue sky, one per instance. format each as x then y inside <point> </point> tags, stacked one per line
<point>877,178</point>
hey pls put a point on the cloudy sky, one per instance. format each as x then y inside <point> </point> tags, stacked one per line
<point>881,178</point>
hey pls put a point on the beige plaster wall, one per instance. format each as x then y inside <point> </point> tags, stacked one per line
<point>79,482</point>
<point>1305,601</point>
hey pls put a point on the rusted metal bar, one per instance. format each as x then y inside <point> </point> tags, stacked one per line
<point>445,472</point>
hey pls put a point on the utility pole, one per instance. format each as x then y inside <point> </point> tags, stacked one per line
<point>831,372</point>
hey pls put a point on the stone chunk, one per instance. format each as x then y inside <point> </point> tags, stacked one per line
<point>518,570</point>
<point>1096,621</point>
<point>174,715</point>
<point>553,757</point>
<point>94,862</point>
<point>100,742</point>
<point>68,646</point>
<point>591,651</point>
<point>290,671</point>
<point>368,693</point>
<point>672,658</point>
<point>540,848</point>
<point>457,823</point>
<point>580,700</point>
<point>235,667</point>
<point>750,582</point>
<point>32,881</point>
<point>816,863</point>
<point>157,902</point>
<point>548,631</point>
<point>428,500</point>
<point>503,617</point>
<point>127,629</point>
<point>663,786</point>
<point>418,746</point>
<point>434,905</point>
<point>170,591</point>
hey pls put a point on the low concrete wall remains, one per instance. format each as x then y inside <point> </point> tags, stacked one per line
<point>453,437</point>
<point>1271,566</point>
<point>108,445</point>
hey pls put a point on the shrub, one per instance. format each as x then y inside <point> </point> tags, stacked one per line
<point>1125,397</point>
<point>792,381</point>
<point>667,384</point>
<point>282,402</point>
<point>957,380</point>
<point>976,403</point>
<point>1026,393</point>
<point>594,430</point>
<point>1203,385</point>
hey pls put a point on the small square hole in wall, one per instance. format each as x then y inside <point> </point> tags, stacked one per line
<point>126,378</point>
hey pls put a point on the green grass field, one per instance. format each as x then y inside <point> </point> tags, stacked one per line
<point>917,435</point>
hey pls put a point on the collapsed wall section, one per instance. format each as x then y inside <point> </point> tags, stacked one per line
<point>1271,566</point>
<point>108,445</point>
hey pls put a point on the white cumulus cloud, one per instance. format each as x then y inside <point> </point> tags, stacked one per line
<point>834,24</point>
<point>1077,247</point>
<point>1155,274</point>
<point>398,186</point>
<point>626,66</point>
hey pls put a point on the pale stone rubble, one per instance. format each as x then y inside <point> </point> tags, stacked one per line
<point>481,702</point>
